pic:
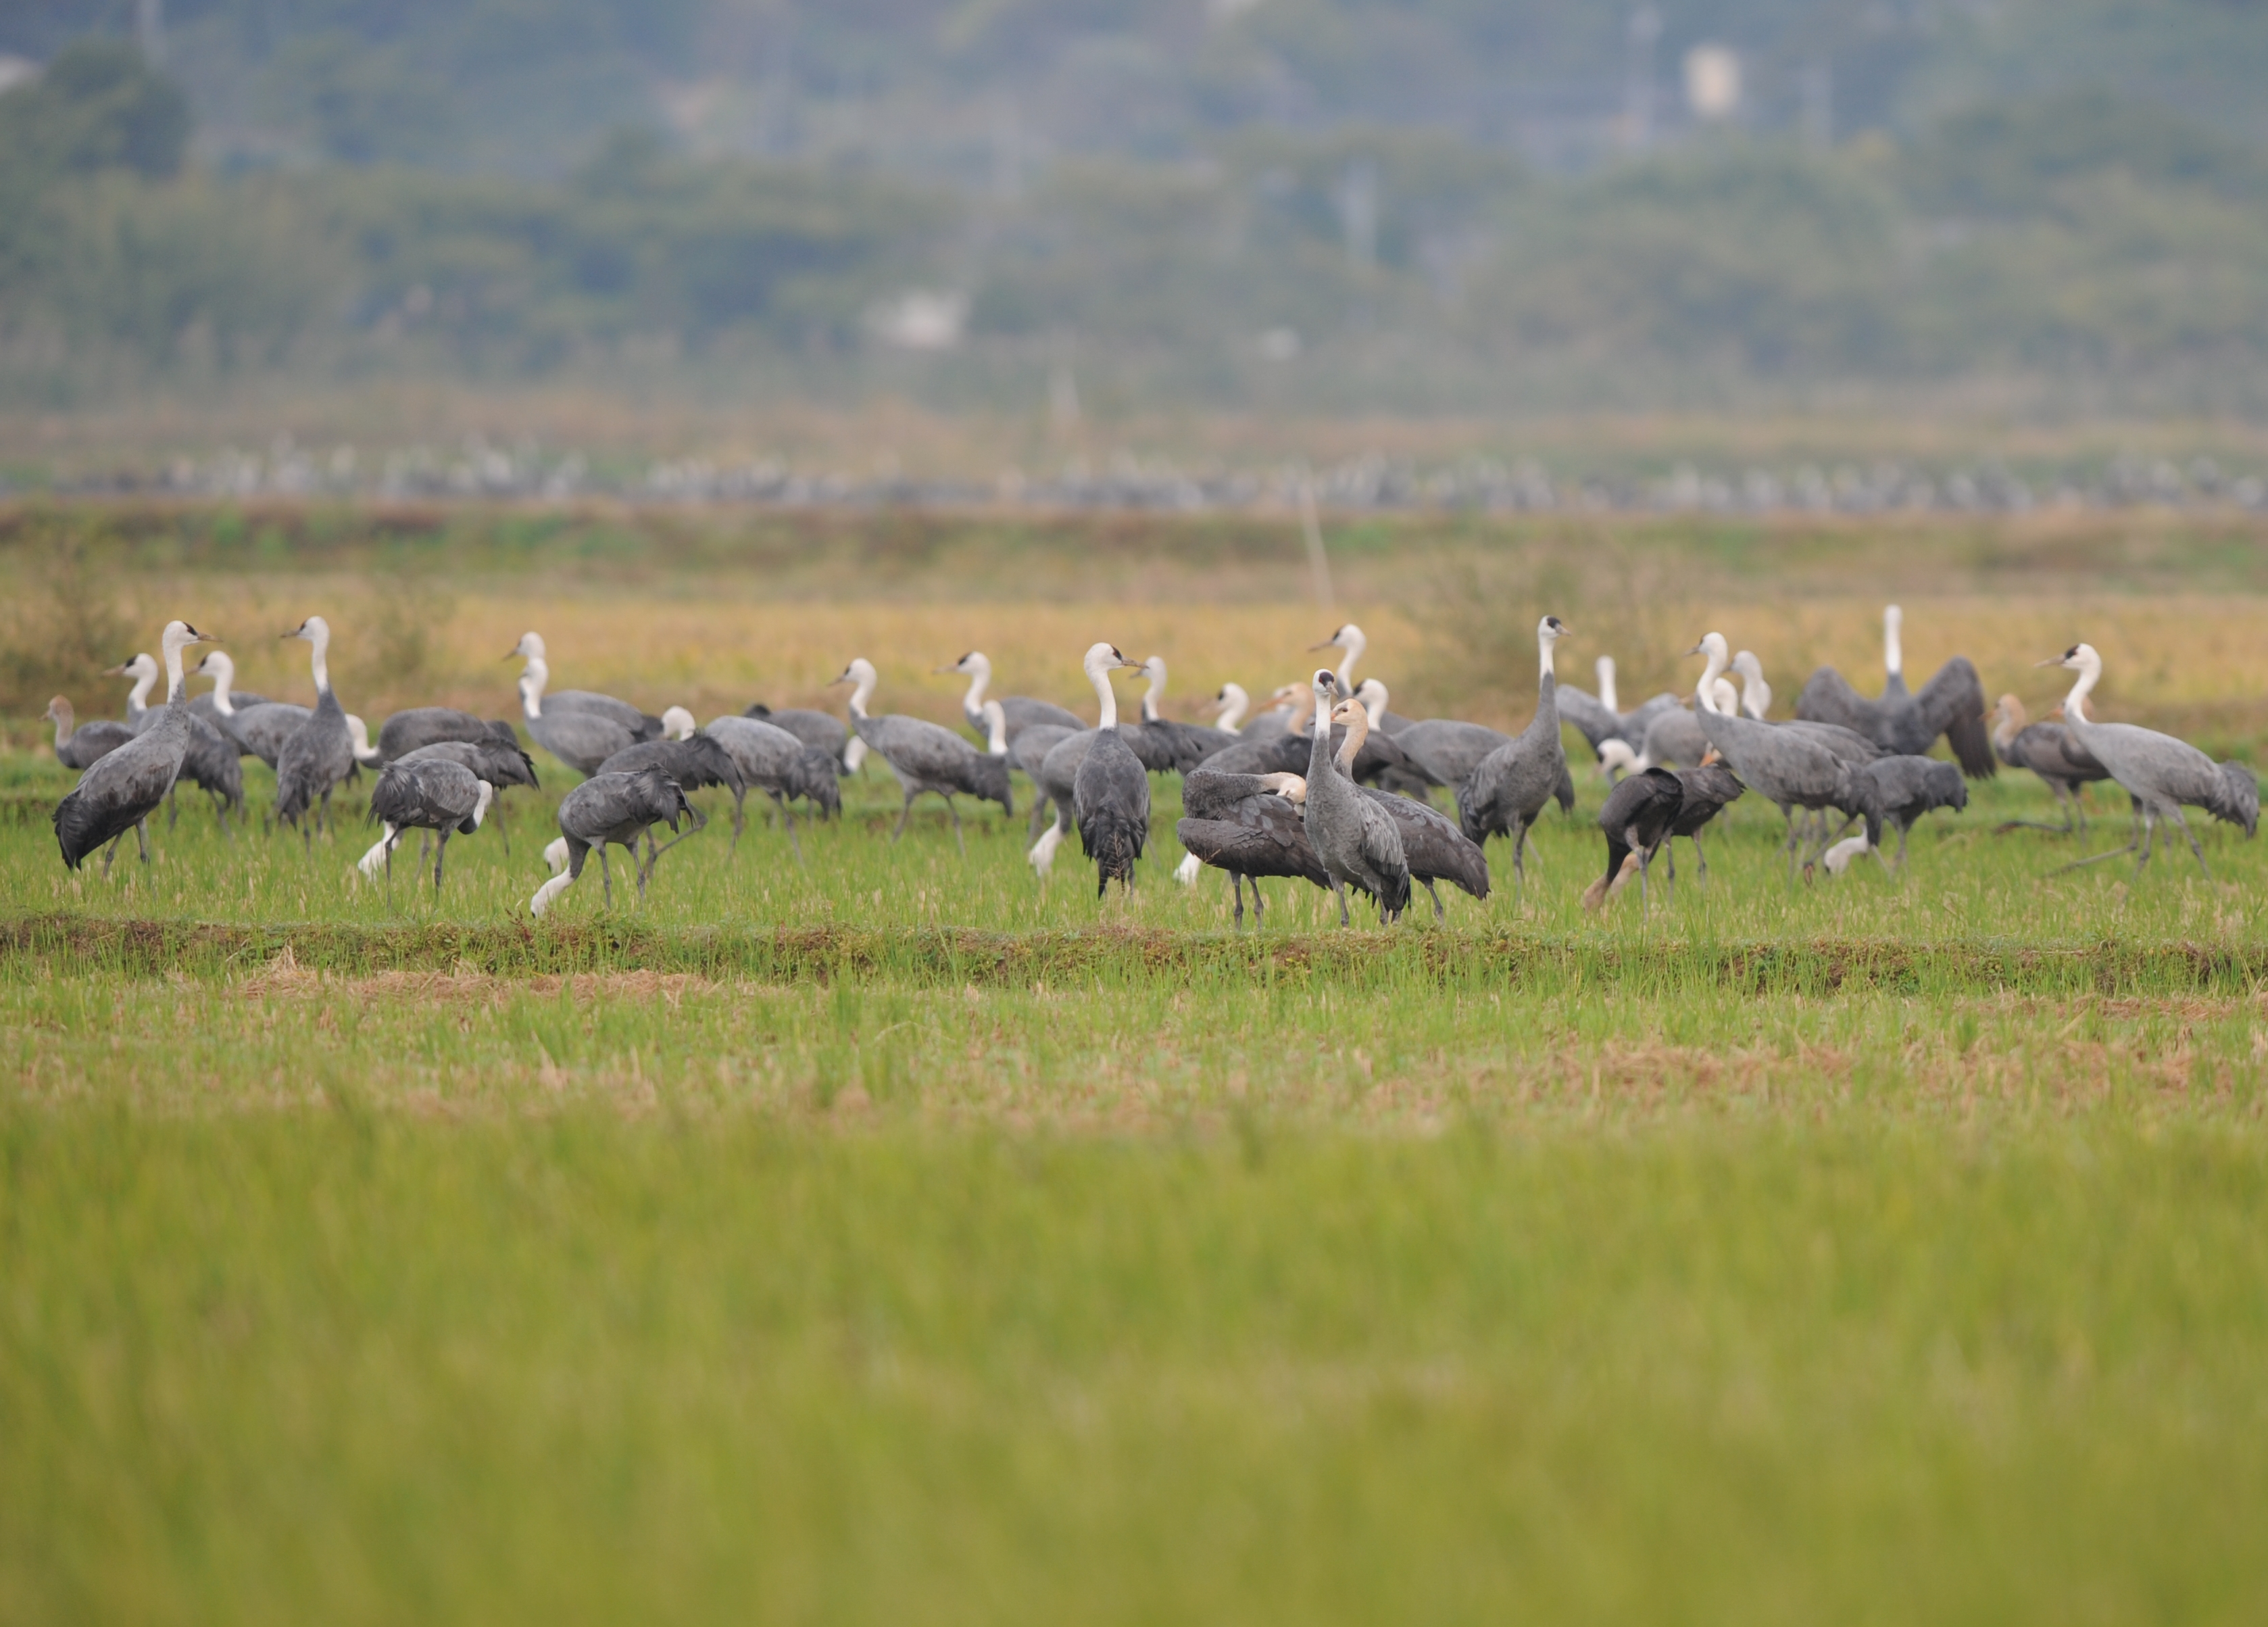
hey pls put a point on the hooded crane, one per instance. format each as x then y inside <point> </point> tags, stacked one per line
<point>617,808</point>
<point>1790,768</point>
<point>2048,751</point>
<point>821,731</point>
<point>1906,788</point>
<point>1249,825</point>
<point>321,752</point>
<point>404,732</point>
<point>579,726</point>
<point>926,756</point>
<point>780,765</point>
<point>127,783</point>
<point>498,761</point>
<point>1674,735</point>
<point>1110,792</point>
<point>2161,773</point>
<point>219,705</point>
<point>211,762</point>
<point>1508,788</point>
<point>429,793</point>
<point>1349,640</point>
<point>1638,816</point>
<point>1356,840</point>
<point>696,764</point>
<point>80,746</point>
<point>259,727</point>
<point>1057,776</point>
<point>1021,711</point>
<point>1434,848</point>
<point>1183,745</point>
<point>1710,790</point>
<point>1951,704</point>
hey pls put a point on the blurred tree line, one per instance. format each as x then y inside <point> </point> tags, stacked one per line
<point>2072,235</point>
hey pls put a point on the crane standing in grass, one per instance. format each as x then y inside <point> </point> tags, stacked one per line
<point>1356,839</point>
<point>2161,773</point>
<point>125,785</point>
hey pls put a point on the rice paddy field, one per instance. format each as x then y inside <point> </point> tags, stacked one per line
<point>896,1236</point>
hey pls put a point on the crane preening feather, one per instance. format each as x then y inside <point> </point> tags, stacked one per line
<point>430,793</point>
<point>1951,704</point>
<point>616,808</point>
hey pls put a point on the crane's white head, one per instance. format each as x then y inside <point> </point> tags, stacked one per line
<point>1104,657</point>
<point>2079,658</point>
<point>1617,757</point>
<point>859,675</point>
<point>974,664</point>
<point>1549,632</point>
<point>1234,702</point>
<point>142,669</point>
<point>1325,685</point>
<point>315,630</point>
<point>677,724</point>
<point>1348,638</point>
<point>1713,646</point>
<point>1756,694</point>
<point>1291,787</point>
<point>530,647</point>
<point>480,808</point>
<point>59,713</point>
<point>176,637</point>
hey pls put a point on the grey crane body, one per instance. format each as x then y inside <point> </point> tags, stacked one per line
<point>1244,824</point>
<point>211,762</point>
<point>1448,750</point>
<point>820,730</point>
<point>405,732</point>
<point>1110,798</point>
<point>782,766</point>
<point>2162,774</point>
<point>1906,723</point>
<point>1028,751</point>
<point>1433,848</point>
<point>926,757</point>
<point>490,759</point>
<point>617,809</point>
<point>265,729</point>
<point>2048,751</point>
<point>1358,841</point>
<point>224,704</point>
<point>1017,712</point>
<point>581,740</point>
<point>1908,786</point>
<point>126,784</point>
<point>82,745</point>
<point>428,794</point>
<point>320,752</point>
<point>1507,789</point>
<point>1640,814</point>
<point>1709,790</point>
<point>1789,769</point>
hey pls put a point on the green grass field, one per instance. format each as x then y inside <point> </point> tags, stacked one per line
<point>896,1238</point>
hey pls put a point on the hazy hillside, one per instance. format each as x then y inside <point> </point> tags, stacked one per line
<point>1332,203</point>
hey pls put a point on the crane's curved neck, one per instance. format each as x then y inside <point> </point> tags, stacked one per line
<point>1099,677</point>
<point>1356,644</point>
<point>1704,693</point>
<point>1155,693</point>
<point>318,642</point>
<point>995,726</point>
<point>1544,643</point>
<point>861,692</point>
<point>480,808</point>
<point>2075,704</point>
<point>980,674</point>
<point>66,723</point>
<point>1357,730</point>
<point>1756,694</point>
<point>1894,655</point>
<point>223,680</point>
<point>1607,697</point>
<point>1232,715</point>
<point>1374,699</point>
<point>1303,712</point>
<point>144,676</point>
<point>531,695</point>
<point>177,684</point>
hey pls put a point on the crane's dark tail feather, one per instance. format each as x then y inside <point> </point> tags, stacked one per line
<point>991,782</point>
<point>82,829</point>
<point>1472,818</point>
<point>1972,747</point>
<point>1395,899</point>
<point>2239,803</point>
<point>1114,842</point>
<point>813,777</point>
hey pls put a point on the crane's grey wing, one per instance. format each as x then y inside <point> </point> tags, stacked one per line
<point>1636,724</point>
<point>1434,848</point>
<point>1828,697</point>
<point>1450,750</point>
<point>1588,714</point>
<point>1023,712</point>
<point>1951,704</point>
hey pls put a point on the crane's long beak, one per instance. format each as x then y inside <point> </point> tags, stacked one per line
<point>2053,660</point>
<point>1328,643</point>
<point>118,671</point>
<point>1697,650</point>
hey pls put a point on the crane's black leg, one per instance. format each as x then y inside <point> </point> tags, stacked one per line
<point>740,819</point>
<point>955,812</point>
<point>173,813</point>
<point>326,821</point>
<point>392,836</point>
<point>1901,865</point>
<point>1519,865</point>
<point>1259,908</point>
<point>2096,859</point>
<point>606,876</point>
<point>787,818</point>
<point>439,850</point>
<point>1701,858</point>
<point>1339,888</point>
<point>110,853</point>
<point>1040,806</point>
<point>141,836</point>
<point>2182,820</point>
<point>1645,899</point>
<point>904,814</point>
<point>1236,886</point>
<point>1438,913</point>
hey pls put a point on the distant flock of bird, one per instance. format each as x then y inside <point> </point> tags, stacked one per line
<point>1325,786</point>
